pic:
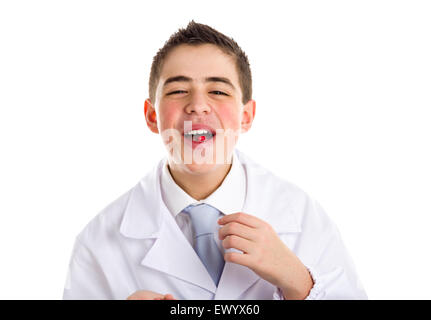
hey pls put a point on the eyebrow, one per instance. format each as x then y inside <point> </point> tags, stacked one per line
<point>208,79</point>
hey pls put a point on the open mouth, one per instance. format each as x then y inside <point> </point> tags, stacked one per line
<point>199,136</point>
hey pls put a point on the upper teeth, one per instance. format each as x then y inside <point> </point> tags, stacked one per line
<point>198,132</point>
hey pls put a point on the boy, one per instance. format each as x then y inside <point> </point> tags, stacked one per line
<point>207,222</point>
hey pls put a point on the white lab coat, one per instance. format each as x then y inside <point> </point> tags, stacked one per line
<point>135,244</point>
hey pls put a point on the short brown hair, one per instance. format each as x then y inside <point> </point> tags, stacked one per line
<point>196,34</point>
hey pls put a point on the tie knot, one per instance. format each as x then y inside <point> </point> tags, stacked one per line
<point>204,218</point>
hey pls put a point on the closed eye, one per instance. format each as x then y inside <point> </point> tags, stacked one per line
<point>178,91</point>
<point>218,93</point>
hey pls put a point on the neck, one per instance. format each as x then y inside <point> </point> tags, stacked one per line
<point>199,186</point>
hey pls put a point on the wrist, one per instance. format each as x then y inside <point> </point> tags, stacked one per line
<point>299,285</point>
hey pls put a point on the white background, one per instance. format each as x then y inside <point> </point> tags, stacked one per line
<point>343,86</point>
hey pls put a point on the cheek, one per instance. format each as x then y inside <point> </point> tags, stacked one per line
<point>230,116</point>
<point>168,114</point>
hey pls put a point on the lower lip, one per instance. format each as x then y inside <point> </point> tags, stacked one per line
<point>194,144</point>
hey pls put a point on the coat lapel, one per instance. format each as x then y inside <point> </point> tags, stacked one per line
<point>173,255</point>
<point>146,217</point>
<point>234,281</point>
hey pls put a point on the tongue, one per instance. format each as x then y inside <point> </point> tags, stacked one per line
<point>200,137</point>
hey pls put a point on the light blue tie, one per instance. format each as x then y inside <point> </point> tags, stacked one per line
<point>204,220</point>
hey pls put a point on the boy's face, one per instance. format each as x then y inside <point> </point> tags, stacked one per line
<point>199,90</point>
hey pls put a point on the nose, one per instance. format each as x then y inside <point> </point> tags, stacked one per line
<point>197,104</point>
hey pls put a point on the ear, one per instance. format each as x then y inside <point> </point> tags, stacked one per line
<point>248,113</point>
<point>150,116</point>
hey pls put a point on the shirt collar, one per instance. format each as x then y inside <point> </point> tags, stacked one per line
<point>228,197</point>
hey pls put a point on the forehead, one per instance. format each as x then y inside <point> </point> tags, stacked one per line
<point>199,62</point>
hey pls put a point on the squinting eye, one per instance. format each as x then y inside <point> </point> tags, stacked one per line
<point>219,93</point>
<point>178,91</point>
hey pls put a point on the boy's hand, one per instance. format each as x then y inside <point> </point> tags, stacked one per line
<point>264,253</point>
<point>150,295</point>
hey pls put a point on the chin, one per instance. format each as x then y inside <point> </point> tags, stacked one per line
<point>198,169</point>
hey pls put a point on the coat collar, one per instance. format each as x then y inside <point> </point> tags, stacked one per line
<point>143,216</point>
<point>146,216</point>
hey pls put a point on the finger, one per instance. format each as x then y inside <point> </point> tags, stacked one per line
<point>238,229</point>
<point>238,243</point>
<point>144,295</point>
<point>239,258</point>
<point>241,217</point>
<point>169,297</point>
